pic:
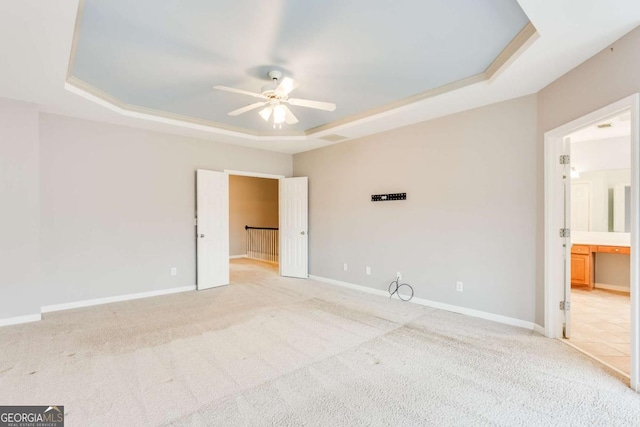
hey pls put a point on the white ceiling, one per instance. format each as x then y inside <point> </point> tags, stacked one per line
<point>607,148</point>
<point>620,125</point>
<point>36,39</point>
<point>166,56</point>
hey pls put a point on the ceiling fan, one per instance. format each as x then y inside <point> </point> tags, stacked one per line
<point>274,97</point>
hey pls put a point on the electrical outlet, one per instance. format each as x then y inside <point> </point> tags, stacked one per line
<point>174,271</point>
<point>344,266</point>
<point>459,287</point>
<point>399,275</point>
<point>367,270</point>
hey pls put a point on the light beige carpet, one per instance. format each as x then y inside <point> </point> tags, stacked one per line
<point>273,351</point>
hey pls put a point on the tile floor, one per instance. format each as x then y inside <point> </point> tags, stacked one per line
<point>600,325</point>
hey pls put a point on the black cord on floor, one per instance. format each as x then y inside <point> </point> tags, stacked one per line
<point>403,290</point>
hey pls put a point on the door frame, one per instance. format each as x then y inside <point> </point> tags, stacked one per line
<point>253,174</point>
<point>554,217</point>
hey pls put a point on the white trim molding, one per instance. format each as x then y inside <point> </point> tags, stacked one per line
<point>20,319</point>
<point>476,313</point>
<point>254,174</point>
<point>117,298</point>
<point>539,329</point>
<point>435,304</point>
<point>238,256</point>
<point>355,287</point>
<point>615,288</point>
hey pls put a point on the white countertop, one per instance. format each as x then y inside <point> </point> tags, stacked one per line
<point>598,238</point>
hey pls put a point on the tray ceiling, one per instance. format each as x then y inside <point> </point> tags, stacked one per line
<point>163,58</point>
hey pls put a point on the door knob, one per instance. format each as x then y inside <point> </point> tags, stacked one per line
<point>302,232</point>
<point>201,236</point>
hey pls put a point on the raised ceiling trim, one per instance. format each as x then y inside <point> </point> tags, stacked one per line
<point>519,44</point>
<point>459,84</point>
<point>75,38</point>
<point>332,137</point>
<point>87,91</point>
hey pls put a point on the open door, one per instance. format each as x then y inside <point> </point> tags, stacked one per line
<point>212,210</point>
<point>557,279</point>
<point>565,234</point>
<point>294,238</point>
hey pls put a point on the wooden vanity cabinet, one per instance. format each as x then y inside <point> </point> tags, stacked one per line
<point>581,266</point>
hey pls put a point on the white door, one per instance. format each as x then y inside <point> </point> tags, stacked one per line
<point>212,200</point>
<point>580,206</point>
<point>566,241</point>
<point>294,239</point>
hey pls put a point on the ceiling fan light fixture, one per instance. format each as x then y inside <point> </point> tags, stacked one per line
<point>279,114</point>
<point>265,113</point>
<point>274,100</point>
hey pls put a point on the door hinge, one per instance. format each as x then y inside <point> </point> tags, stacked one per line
<point>565,232</point>
<point>195,221</point>
<point>565,306</point>
<point>565,159</point>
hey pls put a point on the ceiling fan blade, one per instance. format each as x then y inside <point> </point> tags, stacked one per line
<point>318,105</point>
<point>287,86</point>
<point>289,117</point>
<point>240,91</point>
<point>247,108</point>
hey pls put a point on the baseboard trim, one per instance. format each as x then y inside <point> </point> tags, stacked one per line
<point>118,298</point>
<point>20,319</point>
<point>475,313</point>
<point>254,259</point>
<point>434,304</point>
<point>611,287</point>
<point>539,329</point>
<point>349,285</point>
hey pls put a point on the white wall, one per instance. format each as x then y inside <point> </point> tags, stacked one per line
<point>19,210</point>
<point>470,213</point>
<point>117,205</point>
<point>92,210</point>
<point>609,76</point>
<point>252,202</point>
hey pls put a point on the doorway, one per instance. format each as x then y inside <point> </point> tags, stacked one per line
<point>213,226</point>
<point>600,309</point>
<point>574,240</point>
<point>253,218</point>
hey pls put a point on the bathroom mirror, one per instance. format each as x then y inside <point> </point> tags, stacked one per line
<point>600,176</point>
<point>600,201</point>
